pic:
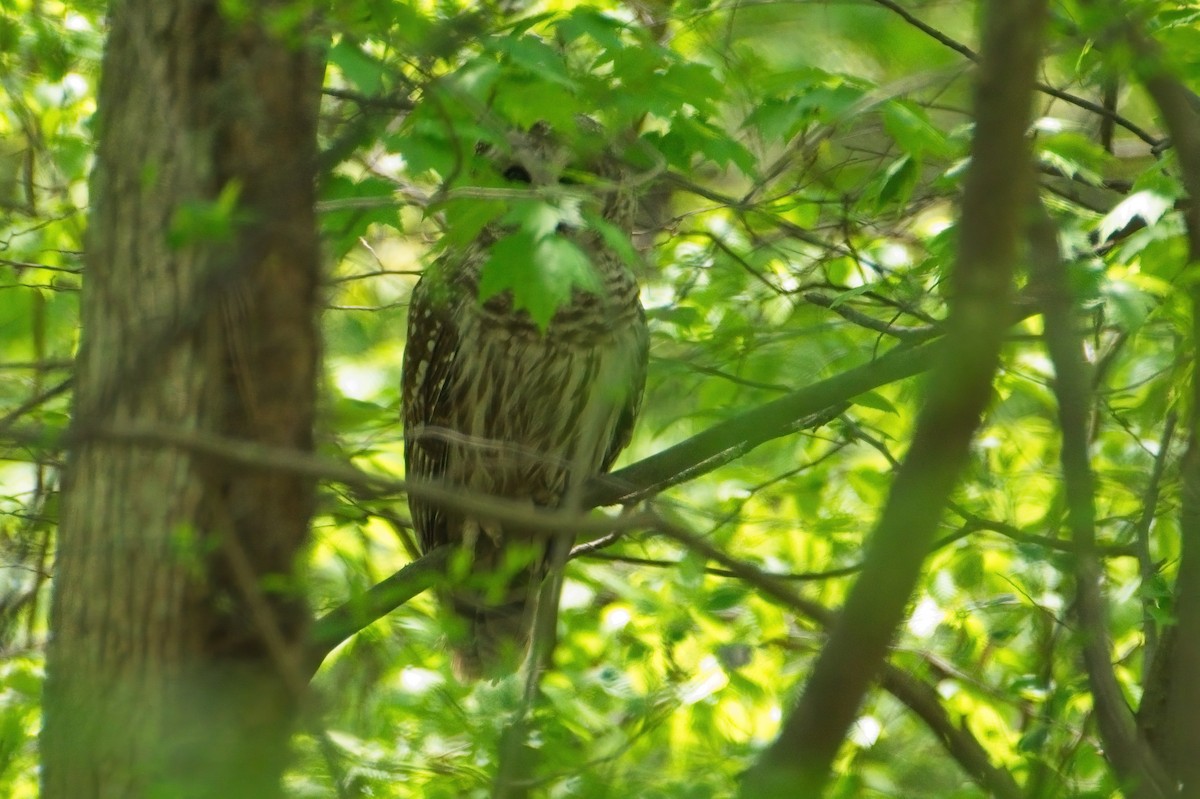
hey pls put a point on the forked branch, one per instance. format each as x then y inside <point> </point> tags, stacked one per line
<point>997,185</point>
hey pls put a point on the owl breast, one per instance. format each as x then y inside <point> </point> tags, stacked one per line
<point>534,408</point>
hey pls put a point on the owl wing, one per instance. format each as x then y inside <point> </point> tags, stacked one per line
<point>623,431</point>
<point>429,356</point>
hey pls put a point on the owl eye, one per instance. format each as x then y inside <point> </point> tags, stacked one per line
<point>517,174</point>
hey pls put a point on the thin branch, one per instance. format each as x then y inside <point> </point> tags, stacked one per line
<point>662,563</point>
<point>919,697</point>
<point>731,439</point>
<point>372,101</point>
<point>19,265</point>
<point>998,180</point>
<point>516,759</point>
<point>1103,111</point>
<point>263,616</point>
<point>769,585</point>
<point>342,622</point>
<point>1176,682</point>
<point>871,323</point>
<point>929,30</point>
<point>306,464</point>
<point>1147,569</point>
<point>1129,755</point>
<point>37,366</point>
<point>1054,544</point>
<point>35,401</point>
<point>711,371</point>
<point>922,699</point>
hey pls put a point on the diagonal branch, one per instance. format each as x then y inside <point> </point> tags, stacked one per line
<point>733,438</point>
<point>688,459</point>
<point>918,696</point>
<point>1106,113</point>
<point>923,700</point>
<point>998,181</point>
<point>341,623</point>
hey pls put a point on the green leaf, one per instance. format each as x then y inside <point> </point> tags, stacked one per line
<point>850,294</point>
<point>353,207</point>
<point>830,103</point>
<point>724,597</point>
<point>540,274</point>
<point>586,21</point>
<point>355,414</point>
<point>540,218</point>
<point>526,102</point>
<point>1034,740</point>
<point>536,57</point>
<point>691,136</point>
<point>777,119</point>
<point>694,82</point>
<point>873,399</point>
<point>466,217</point>
<point>363,71</point>
<point>428,145</point>
<point>1074,155</point>
<point>910,127</point>
<point>899,180</point>
<point>616,239</point>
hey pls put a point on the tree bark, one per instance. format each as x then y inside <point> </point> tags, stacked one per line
<point>177,622</point>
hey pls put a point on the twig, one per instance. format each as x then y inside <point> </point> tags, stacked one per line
<point>916,695</point>
<point>1101,110</point>
<point>922,699</point>
<point>314,466</point>
<point>33,402</point>
<point>37,366</point>
<point>1176,682</point>
<point>791,577</point>
<point>997,183</point>
<point>731,439</point>
<point>1129,755</point>
<point>870,322</point>
<point>1147,569</point>
<point>374,101</point>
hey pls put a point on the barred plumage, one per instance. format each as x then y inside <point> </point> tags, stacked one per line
<point>499,407</point>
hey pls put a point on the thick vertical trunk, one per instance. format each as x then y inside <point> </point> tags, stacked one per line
<point>176,618</point>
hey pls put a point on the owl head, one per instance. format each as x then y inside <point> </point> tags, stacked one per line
<point>585,163</point>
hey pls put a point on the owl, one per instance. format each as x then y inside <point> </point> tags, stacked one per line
<point>495,404</point>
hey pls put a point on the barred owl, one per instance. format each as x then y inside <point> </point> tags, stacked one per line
<point>497,406</point>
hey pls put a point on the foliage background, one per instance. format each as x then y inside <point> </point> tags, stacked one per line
<point>808,156</point>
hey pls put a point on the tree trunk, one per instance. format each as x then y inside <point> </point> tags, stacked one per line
<point>177,619</point>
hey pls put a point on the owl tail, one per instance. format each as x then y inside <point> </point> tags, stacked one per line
<point>495,638</point>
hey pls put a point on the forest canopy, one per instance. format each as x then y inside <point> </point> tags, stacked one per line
<point>911,505</point>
